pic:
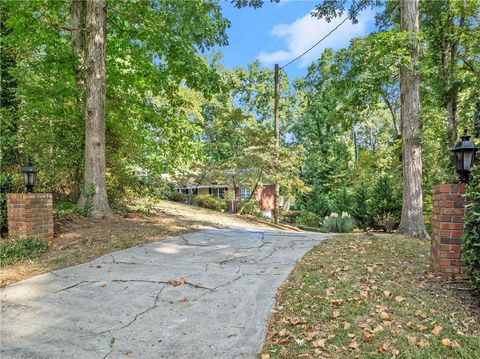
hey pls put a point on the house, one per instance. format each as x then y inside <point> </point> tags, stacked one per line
<point>264,194</point>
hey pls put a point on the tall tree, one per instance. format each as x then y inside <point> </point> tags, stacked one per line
<point>95,186</point>
<point>411,222</point>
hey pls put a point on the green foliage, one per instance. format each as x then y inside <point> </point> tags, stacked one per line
<point>251,207</point>
<point>387,221</point>
<point>157,81</point>
<point>65,207</point>
<point>471,238</point>
<point>308,219</point>
<point>361,204</point>
<point>23,249</point>
<point>6,186</point>
<point>386,201</point>
<point>180,197</point>
<point>336,223</point>
<point>210,202</point>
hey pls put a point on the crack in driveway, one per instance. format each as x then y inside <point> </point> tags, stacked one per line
<point>225,317</point>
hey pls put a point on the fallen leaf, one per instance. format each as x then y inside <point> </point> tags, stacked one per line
<point>183,300</point>
<point>127,353</point>
<point>381,348</point>
<point>436,330</point>
<point>422,327</point>
<point>346,325</point>
<point>177,282</point>
<point>367,337</point>
<point>410,324</point>
<point>319,343</point>
<point>335,313</point>
<point>353,345</point>
<point>330,291</point>
<point>447,342</point>
<point>455,344</point>
<point>300,341</point>
<point>412,339</point>
<point>399,299</point>
<point>370,269</point>
<point>423,343</point>
<point>265,356</point>
<point>386,293</point>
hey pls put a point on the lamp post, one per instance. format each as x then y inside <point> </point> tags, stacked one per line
<point>464,152</point>
<point>29,176</point>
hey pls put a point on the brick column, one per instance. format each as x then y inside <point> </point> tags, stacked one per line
<point>30,215</point>
<point>449,202</point>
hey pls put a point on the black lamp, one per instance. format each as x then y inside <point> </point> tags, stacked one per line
<point>464,157</point>
<point>29,176</point>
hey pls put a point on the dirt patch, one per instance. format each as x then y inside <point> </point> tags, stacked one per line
<point>79,239</point>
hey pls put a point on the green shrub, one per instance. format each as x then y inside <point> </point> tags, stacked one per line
<point>308,219</point>
<point>386,198</point>
<point>471,238</point>
<point>387,222</point>
<point>361,206</point>
<point>5,187</point>
<point>210,202</point>
<point>180,197</point>
<point>14,251</point>
<point>311,229</point>
<point>65,207</point>
<point>251,207</point>
<point>338,223</point>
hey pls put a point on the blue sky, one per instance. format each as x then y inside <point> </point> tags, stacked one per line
<point>278,32</point>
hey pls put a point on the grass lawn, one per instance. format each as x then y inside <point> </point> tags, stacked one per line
<point>360,296</point>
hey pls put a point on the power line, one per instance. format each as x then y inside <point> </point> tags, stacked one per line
<point>318,42</point>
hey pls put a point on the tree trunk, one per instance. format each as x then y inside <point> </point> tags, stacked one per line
<point>95,190</point>
<point>77,15</point>
<point>412,210</point>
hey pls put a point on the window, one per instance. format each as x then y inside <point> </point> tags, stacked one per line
<point>218,192</point>
<point>245,193</point>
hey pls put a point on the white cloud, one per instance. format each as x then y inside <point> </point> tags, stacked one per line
<point>306,31</point>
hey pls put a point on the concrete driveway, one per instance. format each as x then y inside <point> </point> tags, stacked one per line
<point>202,295</point>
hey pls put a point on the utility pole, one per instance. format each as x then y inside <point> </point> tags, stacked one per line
<point>277,139</point>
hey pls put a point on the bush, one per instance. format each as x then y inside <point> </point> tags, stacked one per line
<point>308,219</point>
<point>210,202</point>
<point>361,206</point>
<point>5,187</point>
<point>180,197</point>
<point>387,222</point>
<point>251,207</point>
<point>386,200</point>
<point>471,237</point>
<point>14,251</point>
<point>338,224</point>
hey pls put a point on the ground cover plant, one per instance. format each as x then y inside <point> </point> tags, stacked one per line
<point>364,296</point>
<point>17,250</point>
<point>471,239</point>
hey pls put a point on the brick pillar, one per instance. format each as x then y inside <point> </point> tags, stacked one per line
<point>447,221</point>
<point>30,215</point>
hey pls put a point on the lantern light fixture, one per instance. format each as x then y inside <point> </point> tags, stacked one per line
<point>464,152</point>
<point>29,176</point>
